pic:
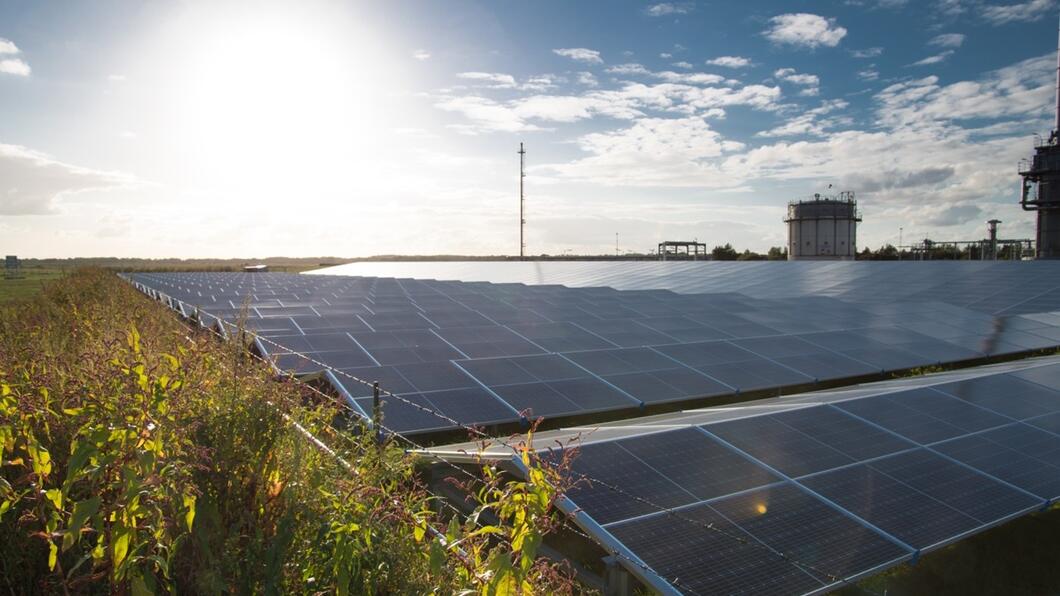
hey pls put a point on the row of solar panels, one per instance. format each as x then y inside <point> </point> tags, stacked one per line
<point>798,495</point>
<point>449,358</point>
<point>993,287</point>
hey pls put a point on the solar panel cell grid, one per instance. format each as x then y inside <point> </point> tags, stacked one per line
<point>698,560</point>
<point>893,506</point>
<point>323,310</point>
<point>831,544</point>
<point>1014,467</point>
<point>970,492</point>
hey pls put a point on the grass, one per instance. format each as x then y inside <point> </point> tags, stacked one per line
<point>29,283</point>
<point>138,455</point>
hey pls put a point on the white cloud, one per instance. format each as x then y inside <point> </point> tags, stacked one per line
<point>690,78</point>
<point>421,54</point>
<point>652,152</point>
<point>878,3</point>
<point>789,75</point>
<point>1023,89</point>
<point>116,78</point>
<point>940,57</point>
<point>1009,13</point>
<point>588,79</point>
<point>948,40</point>
<point>667,8</point>
<point>32,182</point>
<point>628,69</point>
<point>580,55</point>
<point>805,30</point>
<point>682,64</point>
<point>540,83</point>
<point>730,61</point>
<point>14,66</point>
<point>867,53</point>
<point>666,55</point>
<point>630,101</point>
<point>485,115</point>
<point>869,74</point>
<point>951,8</point>
<point>493,79</point>
<point>811,122</point>
<point>810,83</point>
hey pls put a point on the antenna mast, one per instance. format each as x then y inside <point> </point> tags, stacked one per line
<point>522,200</point>
<point>1056,122</point>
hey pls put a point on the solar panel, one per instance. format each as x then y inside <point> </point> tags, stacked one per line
<point>697,554</point>
<point>799,494</point>
<point>891,505</point>
<point>702,345</point>
<point>961,283</point>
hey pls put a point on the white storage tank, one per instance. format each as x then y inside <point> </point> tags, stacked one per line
<point>823,228</point>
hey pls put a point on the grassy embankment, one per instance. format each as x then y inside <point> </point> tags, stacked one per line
<point>139,457</point>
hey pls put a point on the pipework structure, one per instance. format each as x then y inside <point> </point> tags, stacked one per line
<point>1040,187</point>
<point>681,249</point>
<point>823,228</point>
<point>990,248</point>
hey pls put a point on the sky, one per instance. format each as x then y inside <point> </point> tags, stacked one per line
<point>230,128</point>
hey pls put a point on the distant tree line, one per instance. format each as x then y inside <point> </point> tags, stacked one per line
<point>728,253</point>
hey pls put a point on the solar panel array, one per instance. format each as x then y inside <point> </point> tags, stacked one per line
<point>993,287</point>
<point>483,353</point>
<point>799,495</point>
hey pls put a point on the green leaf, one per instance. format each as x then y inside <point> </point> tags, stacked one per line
<point>134,339</point>
<point>55,496</point>
<point>437,557</point>
<point>139,587</point>
<point>189,514</point>
<point>42,459</point>
<point>53,555</point>
<point>122,536</point>
<point>83,450</point>
<point>82,511</point>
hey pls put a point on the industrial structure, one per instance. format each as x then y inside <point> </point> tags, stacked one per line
<point>990,248</point>
<point>823,228</point>
<point>682,249</point>
<point>1040,190</point>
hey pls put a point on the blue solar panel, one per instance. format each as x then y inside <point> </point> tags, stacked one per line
<point>891,505</point>
<point>347,323</point>
<point>697,554</point>
<point>896,417</point>
<point>697,463</point>
<point>980,497</point>
<point>1010,465</point>
<point>779,445</point>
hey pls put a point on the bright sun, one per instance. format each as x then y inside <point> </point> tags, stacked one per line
<point>276,102</point>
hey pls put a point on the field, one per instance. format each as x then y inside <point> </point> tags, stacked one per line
<point>143,456</point>
<point>29,282</point>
